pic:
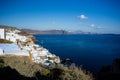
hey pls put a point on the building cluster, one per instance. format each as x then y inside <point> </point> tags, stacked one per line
<point>14,36</point>
<point>26,47</point>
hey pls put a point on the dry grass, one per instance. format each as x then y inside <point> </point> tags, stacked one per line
<point>22,64</point>
<point>5,41</point>
<point>74,73</point>
<point>28,68</point>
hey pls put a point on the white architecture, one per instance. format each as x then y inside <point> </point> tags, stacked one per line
<point>12,49</point>
<point>2,33</point>
<point>1,51</point>
<point>21,47</point>
<point>13,36</point>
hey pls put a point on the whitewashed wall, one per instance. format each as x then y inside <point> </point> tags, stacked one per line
<point>2,34</point>
<point>1,51</point>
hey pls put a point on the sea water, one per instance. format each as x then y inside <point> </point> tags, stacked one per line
<point>91,51</point>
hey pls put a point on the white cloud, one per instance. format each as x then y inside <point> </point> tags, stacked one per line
<point>92,25</point>
<point>96,27</point>
<point>82,17</point>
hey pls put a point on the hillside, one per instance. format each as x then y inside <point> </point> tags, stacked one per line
<point>8,28</point>
<point>21,68</point>
<point>29,31</point>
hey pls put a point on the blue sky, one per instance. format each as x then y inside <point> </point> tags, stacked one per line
<point>102,16</point>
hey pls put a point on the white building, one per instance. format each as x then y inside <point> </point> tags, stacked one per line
<point>2,33</point>
<point>14,37</point>
<point>1,51</point>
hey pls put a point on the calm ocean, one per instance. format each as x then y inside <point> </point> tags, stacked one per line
<point>90,51</point>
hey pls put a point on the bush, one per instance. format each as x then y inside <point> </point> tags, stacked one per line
<point>5,41</point>
<point>1,64</point>
<point>30,69</point>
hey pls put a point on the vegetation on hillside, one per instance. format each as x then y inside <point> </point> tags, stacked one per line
<point>3,41</point>
<point>21,68</point>
<point>8,28</point>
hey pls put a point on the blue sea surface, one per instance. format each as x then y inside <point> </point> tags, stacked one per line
<point>92,51</point>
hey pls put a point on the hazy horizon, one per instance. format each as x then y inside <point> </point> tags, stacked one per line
<point>101,16</point>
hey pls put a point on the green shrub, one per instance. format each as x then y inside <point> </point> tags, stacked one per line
<point>45,72</point>
<point>1,64</point>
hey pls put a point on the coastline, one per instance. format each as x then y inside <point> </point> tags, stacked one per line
<point>23,66</point>
<point>38,54</point>
<point>24,44</point>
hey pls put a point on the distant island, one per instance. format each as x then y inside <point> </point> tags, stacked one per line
<point>30,31</point>
<point>53,31</point>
